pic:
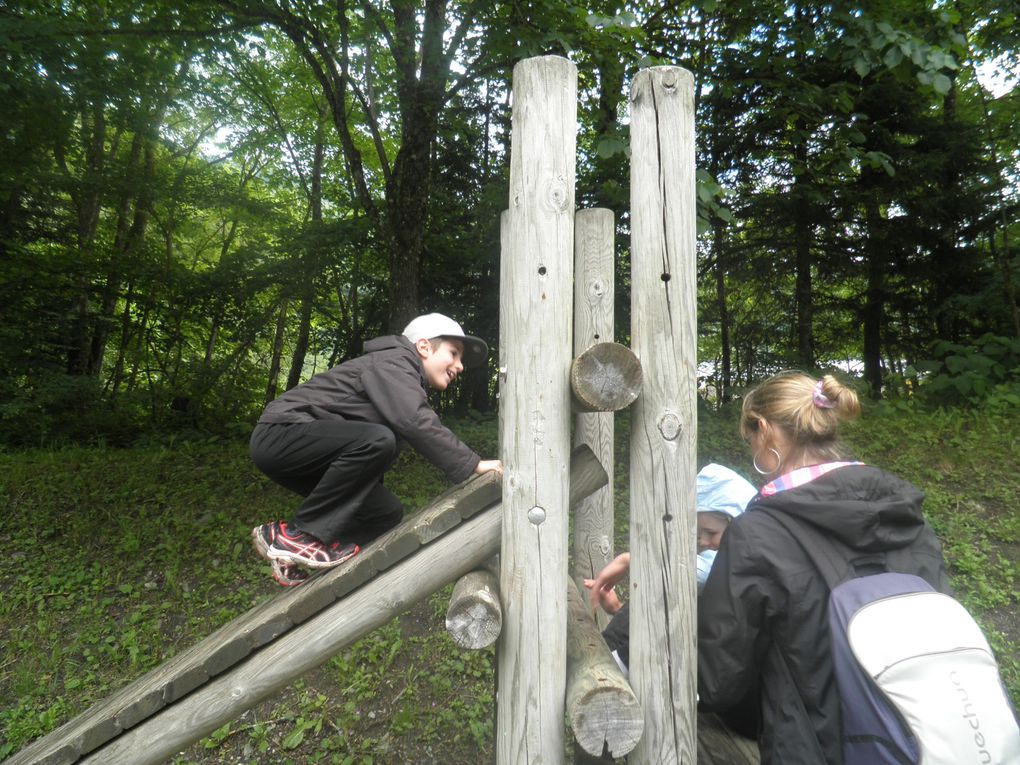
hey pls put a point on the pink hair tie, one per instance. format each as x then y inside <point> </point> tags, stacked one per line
<point>819,399</point>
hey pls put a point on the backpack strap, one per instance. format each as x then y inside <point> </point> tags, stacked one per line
<point>828,556</point>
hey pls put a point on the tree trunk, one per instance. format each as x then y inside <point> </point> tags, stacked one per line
<point>88,203</point>
<point>802,244</point>
<point>120,258</point>
<point>408,205</point>
<point>297,359</point>
<point>949,270</point>
<point>874,302</point>
<point>664,419</point>
<point>726,380</point>
<point>274,364</point>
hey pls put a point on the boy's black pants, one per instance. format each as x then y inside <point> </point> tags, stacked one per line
<point>337,466</point>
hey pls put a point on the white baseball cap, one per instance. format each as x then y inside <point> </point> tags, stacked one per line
<point>430,325</point>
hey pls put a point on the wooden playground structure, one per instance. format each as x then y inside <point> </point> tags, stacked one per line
<point>557,358</point>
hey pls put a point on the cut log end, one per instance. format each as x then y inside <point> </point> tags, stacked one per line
<point>605,378</point>
<point>607,718</point>
<point>474,618</point>
<point>603,711</point>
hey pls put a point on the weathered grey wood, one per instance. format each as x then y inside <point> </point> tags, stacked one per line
<point>718,745</point>
<point>474,617</point>
<point>224,698</point>
<point>230,644</point>
<point>602,710</point>
<point>304,647</point>
<point>663,421</point>
<point>536,314</point>
<point>145,697</point>
<point>605,378</point>
<point>594,316</point>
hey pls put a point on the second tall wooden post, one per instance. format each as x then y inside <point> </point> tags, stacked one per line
<point>535,355</point>
<point>664,420</point>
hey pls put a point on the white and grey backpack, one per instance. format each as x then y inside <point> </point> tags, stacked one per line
<point>918,682</point>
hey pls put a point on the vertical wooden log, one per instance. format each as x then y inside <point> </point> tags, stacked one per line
<point>593,323</point>
<point>535,313</point>
<point>664,425</point>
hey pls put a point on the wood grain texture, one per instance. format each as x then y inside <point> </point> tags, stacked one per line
<point>602,710</point>
<point>663,419</point>
<point>594,322</point>
<point>431,567</point>
<point>536,296</point>
<point>140,726</point>
<point>232,643</point>
<point>718,745</point>
<point>605,378</point>
<point>474,617</point>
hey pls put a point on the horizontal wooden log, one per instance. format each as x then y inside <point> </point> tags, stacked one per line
<point>475,615</point>
<point>236,640</point>
<point>603,712</point>
<point>176,725</point>
<point>605,378</point>
<point>718,745</point>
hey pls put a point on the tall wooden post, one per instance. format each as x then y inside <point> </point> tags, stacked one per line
<point>593,323</point>
<point>535,313</point>
<point>664,425</point>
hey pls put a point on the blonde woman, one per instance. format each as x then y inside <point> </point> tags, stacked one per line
<point>763,634</point>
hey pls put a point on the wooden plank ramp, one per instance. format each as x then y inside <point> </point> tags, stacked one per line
<point>260,626</point>
<point>248,659</point>
<point>195,692</point>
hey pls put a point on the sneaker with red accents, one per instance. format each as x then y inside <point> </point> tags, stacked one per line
<point>274,541</point>
<point>262,537</point>
<point>288,574</point>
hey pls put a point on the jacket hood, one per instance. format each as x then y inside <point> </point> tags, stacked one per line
<point>862,506</point>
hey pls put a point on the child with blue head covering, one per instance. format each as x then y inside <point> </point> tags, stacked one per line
<point>722,495</point>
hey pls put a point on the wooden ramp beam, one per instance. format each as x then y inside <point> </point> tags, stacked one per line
<point>263,650</point>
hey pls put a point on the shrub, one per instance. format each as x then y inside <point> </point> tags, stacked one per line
<point>985,372</point>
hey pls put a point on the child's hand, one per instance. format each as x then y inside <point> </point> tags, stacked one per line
<point>603,586</point>
<point>486,466</point>
<point>607,599</point>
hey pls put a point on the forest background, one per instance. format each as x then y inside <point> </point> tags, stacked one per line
<point>204,202</point>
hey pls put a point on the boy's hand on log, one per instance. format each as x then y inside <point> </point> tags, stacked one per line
<point>487,466</point>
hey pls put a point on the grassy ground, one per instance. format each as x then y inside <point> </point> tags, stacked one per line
<point>117,559</point>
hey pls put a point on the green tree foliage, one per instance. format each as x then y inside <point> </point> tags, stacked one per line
<point>204,202</point>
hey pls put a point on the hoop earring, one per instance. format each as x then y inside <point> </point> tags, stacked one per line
<point>779,462</point>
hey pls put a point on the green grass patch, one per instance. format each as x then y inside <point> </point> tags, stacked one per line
<point>118,559</point>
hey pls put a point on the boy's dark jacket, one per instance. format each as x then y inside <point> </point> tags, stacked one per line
<point>385,386</point>
<point>762,618</point>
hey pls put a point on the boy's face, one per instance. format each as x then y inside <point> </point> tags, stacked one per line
<point>443,360</point>
<point>711,527</point>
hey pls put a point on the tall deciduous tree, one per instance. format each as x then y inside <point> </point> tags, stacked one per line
<point>386,72</point>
